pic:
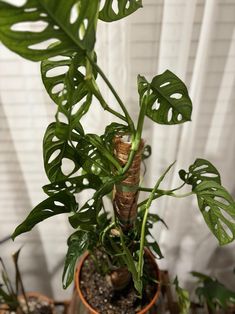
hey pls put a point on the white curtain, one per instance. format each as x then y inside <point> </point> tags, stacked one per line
<point>196,40</point>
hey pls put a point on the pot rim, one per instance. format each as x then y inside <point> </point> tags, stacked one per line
<point>88,306</point>
<point>35,294</point>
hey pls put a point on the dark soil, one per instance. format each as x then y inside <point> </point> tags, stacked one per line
<point>103,299</point>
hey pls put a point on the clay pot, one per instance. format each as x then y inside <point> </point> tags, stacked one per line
<point>35,295</point>
<point>90,310</point>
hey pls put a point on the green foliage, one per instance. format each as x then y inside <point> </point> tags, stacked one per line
<point>59,203</point>
<point>65,45</point>
<point>201,170</point>
<point>124,8</point>
<point>60,28</point>
<point>213,292</point>
<point>218,209</point>
<point>168,101</point>
<point>216,204</point>
<point>183,298</point>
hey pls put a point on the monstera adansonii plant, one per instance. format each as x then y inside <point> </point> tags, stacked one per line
<point>64,44</point>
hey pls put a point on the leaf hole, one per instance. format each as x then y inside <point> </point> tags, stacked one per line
<point>62,117</point>
<point>115,6</point>
<point>48,210</point>
<point>54,155</point>
<point>199,181</point>
<point>37,27</point>
<point>176,96</point>
<point>207,208</point>
<point>68,184</point>
<point>57,71</point>
<point>201,167</point>
<point>90,202</point>
<point>210,175</point>
<point>43,14</point>
<point>56,27</point>
<point>85,22</point>
<point>85,181</point>
<point>59,58</point>
<point>58,204</point>
<point>74,13</point>
<point>227,230</point>
<point>82,70</point>
<point>30,9</point>
<point>156,105</point>
<point>57,88</point>
<point>170,115</point>
<point>102,4</point>
<point>67,166</point>
<point>54,139</point>
<point>227,215</point>
<point>128,5</point>
<point>165,84</point>
<point>45,44</point>
<point>179,117</point>
<point>222,200</point>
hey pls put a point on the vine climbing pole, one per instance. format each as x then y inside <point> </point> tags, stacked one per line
<point>126,193</point>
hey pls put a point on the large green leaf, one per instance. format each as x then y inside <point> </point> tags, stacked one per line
<point>168,101</point>
<point>59,203</point>
<point>114,10</point>
<point>201,170</point>
<point>218,209</point>
<point>57,149</point>
<point>77,244</point>
<point>69,25</point>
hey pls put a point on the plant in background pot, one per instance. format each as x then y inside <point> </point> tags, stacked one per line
<point>123,276</point>
<point>14,299</point>
<point>215,294</point>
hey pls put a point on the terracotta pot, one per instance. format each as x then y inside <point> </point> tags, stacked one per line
<point>90,310</point>
<point>36,295</point>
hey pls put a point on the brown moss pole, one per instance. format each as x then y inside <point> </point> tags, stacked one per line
<point>126,193</point>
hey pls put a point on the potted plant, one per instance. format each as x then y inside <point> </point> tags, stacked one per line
<point>14,299</point>
<point>120,243</point>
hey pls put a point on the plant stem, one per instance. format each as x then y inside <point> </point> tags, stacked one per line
<point>103,103</point>
<point>143,227</point>
<point>98,69</point>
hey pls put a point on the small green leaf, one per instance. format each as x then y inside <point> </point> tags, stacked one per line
<point>218,209</point>
<point>201,170</point>
<point>156,249</point>
<point>77,244</point>
<point>213,292</point>
<point>59,203</point>
<point>168,101</point>
<point>183,297</point>
<point>114,10</point>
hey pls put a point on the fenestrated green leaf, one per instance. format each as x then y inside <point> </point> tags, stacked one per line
<point>201,170</point>
<point>56,149</point>
<point>77,244</point>
<point>218,209</point>
<point>213,292</point>
<point>74,185</point>
<point>71,24</point>
<point>59,203</point>
<point>168,100</point>
<point>114,10</point>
